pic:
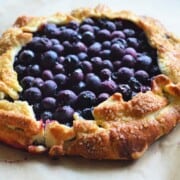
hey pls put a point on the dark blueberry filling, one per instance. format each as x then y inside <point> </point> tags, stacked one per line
<point>74,67</point>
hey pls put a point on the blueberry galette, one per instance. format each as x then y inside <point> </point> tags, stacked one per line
<point>94,83</point>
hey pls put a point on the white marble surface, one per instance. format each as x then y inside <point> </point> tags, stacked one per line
<point>160,162</point>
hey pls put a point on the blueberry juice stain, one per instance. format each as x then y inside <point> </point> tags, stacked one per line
<point>75,66</point>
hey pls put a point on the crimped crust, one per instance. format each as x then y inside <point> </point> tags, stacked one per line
<point>121,130</point>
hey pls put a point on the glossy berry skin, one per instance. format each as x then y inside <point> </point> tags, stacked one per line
<point>49,88</point>
<point>144,62</point>
<point>88,37</point>
<point>49,59</point>
<point>64,114</point>
<point>48,103</point>
<point>86,99</point>
<point>26,57</point>
<point>94,49</point>
<point>27,81</point>
<point>47,75</point>
<point>71,62</point>
<point>33,94</point>
<point>66,97</point>
<point>61,80</point>
<point>102,97</point>
<point>108,86</point>
<point>142,76</point>
<point>124,74</point>
<point>40,44</point>
<point>77,75</point>
<point>93,81</point>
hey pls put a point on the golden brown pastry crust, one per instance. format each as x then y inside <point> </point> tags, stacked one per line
<point>121,130</point>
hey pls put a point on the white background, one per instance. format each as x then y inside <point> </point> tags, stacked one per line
<point>160,162</point>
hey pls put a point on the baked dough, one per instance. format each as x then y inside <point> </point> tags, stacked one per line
<point>121,130</point>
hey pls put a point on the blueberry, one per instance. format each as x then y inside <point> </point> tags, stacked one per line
<point>47,75</point>
<point>143,62</point>
<point>87,113</point>
<point>86,27</point>
<point>61,80</point>
<point>117,34</point>
<point>106,45</point>
<point>40,44</point>
<point>125,90</point>
<point>32,94</point>
<point>55,41</point>
<point>131,51</point>
<point>86,66</point>
<point>71,62</point>
<point>58,48</point>
<point>58,68</point>
<point>102,97</point>
<point>94,49</point>
<point>48,59</point>
<point>117,51</point>
<point>128,60</point>
<point>142,76</point>
<point>82,56</point>
<point>38,82</point>
<point>26,56</point>
<point>133,42</point>
<point>86,99</point>
<point>68,35</point>
<point>125,73</point>
<point>77,76</point>
<point>110,26</point>
<point>103,35</point>
<point>48,103</point>
<point>108,86</point>
<point>105,74</point>
<point>49,88</point>
<point>66,97</point>
<point>46,115</point>
<point>105,54</point>
<point>64,114</point>
<point>60,60</point>
<point>34,70</point>
<point>129,32</point>
<point>93,82</point>
<point>88,37</point>
<point>79,47</point>
<point>51,30</point>
<point>27,81</point>
<point>97,63</point>
<point>107,64</point>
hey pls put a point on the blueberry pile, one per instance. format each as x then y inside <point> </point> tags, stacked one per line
<point>74,67</point>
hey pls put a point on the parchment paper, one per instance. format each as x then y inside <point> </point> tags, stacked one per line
<point>160,162</point>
